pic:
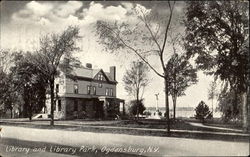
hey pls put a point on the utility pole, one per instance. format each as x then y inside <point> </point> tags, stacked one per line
<point>156,95</point>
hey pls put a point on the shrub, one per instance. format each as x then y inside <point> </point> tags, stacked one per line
<point>134,107</point>
<point>202,112</point>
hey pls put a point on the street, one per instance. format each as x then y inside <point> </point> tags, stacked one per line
<point>78,143</point>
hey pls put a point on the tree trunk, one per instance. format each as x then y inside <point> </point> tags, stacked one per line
<point>52,101</point>
<point>25,105</point>
<point>30,111</point>
<point>29,106</point>
<point>212,107</point>
<point>174,106</point>
<point>137,104</point>
<point>167,103</point>
<point>245,112</point>
<point>11,113</point>
<point>235,104</point>
<point>246,99</point>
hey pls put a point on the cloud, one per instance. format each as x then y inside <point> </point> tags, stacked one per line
<point>97,11</point>
<point>39,9</point>
<point>61,14</point>
<point>44,21</point>
<point>69,8</point>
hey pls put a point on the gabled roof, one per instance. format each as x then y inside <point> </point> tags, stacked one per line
<point>91,73</point>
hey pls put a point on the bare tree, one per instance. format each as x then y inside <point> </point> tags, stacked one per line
<point>147,37</point>
<point>135,80</point>
<point>55,54</point>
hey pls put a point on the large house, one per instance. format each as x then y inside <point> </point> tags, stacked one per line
<point>90,94</point>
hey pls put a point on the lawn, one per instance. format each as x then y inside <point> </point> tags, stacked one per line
<point>180,128</point>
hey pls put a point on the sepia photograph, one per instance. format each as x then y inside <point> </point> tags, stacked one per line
<point>124,78</point>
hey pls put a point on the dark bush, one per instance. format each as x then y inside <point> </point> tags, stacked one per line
<point>202,112</point>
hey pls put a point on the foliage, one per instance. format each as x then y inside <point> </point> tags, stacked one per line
<point>202,112</point>
<point>113,109</point>
<point>230,110</point>
<point>217,35</point>
<point>29,83</point>
<point>147,113</point>
<point>181,75</point>
<point>6,60</point>
<point>216,30</point>
<point>134,106</point>
<point>55,54</point>
<point>8,97</point>
<point>212,93</point>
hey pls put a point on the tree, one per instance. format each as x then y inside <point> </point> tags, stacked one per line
<point>55,54</point>
<point>227,107</point>
<point>6,59</point>
<point>202,112</point>
<point>8,97</point>
<point>135,80</point>
<point>181,75</point>
<point>147,37</point>
<point>212,93</point>
<point>216,32</point>
<point>136,108</point>
<point>29,83</point>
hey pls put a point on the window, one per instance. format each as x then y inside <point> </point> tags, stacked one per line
<point>59,105</point>
<point>57,88</point>
<point>100,77</point>
<point>75,105</point>
<point>111,92</point>
<point>100,85</point>
<point>88,90</point>
<point>94,90</point>
<point>107,91</point>
<point>76,89</point>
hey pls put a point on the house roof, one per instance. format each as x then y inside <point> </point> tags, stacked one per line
<point>90,73</point>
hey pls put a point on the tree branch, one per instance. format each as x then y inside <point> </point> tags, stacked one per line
<point>134,50</point>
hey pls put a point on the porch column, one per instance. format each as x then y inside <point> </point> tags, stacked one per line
<point>123,108</point>
<point>105,107</point>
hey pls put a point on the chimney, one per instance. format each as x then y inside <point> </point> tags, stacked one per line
<point>88,65</point>
<point>112,71</point>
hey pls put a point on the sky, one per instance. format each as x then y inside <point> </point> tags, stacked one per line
<point>24,22</point>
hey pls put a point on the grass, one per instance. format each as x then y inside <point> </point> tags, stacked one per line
<point>128,127</point>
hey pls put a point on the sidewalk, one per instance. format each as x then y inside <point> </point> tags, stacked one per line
<point>164,146</point>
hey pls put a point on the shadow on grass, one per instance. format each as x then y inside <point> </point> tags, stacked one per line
<point>90,151</point>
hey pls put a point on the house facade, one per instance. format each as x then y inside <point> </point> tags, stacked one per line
<point>90,94</point>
